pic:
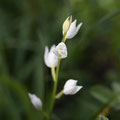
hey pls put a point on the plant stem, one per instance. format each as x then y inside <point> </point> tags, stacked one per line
<point>54,90</point>
<point>64,38</point>
<point>55,78</point>
<point>59,94</point>
<point>53,73</point>
<point>44,113</point>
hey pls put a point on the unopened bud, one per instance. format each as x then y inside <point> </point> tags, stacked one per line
<point>67,24</point>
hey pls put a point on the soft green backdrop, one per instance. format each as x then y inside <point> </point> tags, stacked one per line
<point>27,26</point>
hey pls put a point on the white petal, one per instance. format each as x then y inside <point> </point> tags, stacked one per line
<point>70,83</point>
<point>71,32</point>
<point>52,48</point>
<point>68,90</point>
<point>66,24</point>
<point>64,54</point>
<point>55,51</point>
<point>76,89</point>
<point>37,103</point>
<point>78,27</point>
<point>53,59</point>
<point>61,45</point>
<point>61,50</point>
<point>46,56</point>
<point>50,58</point>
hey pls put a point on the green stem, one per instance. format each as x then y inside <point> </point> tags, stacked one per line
<point>57,70</point>
<point>64,38</point>
<point>55,78</point>
<point>54,90</point>
<point>59,94</point>
<point>44,114</point>
<point>53,73</point>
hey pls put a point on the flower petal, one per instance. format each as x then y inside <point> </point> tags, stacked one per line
<point>61,50</point>
<point>52,48</point>
<point>53,59</point>
<point>46,56</point>
<point>70,82</point>
<point>50,58</point>
<point>76,89</point>
<point>78,27</point>
<point>72,30</point>
<point>66,24</point>
<point>37,103</point>
<point>68,90</point>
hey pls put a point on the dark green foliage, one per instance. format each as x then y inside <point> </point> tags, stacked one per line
<point>27,26</point>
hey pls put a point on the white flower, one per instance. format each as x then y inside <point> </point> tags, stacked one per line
<point>73,30</point>
<point>37,103</point>
<point>50,58</point>
<point>70,87</point>
<point>61,50</point>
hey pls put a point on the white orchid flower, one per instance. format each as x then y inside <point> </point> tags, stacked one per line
<point>37,103</point>
<point>71,29</point>
<point>61,50</point>
<point>50,58</point>
<point>70,87</point>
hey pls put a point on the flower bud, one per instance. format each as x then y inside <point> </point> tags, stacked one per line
<point>66,24</point>
<point>70,87</point>
<point>37,103</point>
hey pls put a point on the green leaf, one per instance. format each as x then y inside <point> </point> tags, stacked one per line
<point>102,93</point>
<point>116,86</point>
<point>101,117</point>
<point>22,95</point>
<point>116,89</point>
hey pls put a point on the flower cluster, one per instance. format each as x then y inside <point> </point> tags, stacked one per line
<point>52,56</point>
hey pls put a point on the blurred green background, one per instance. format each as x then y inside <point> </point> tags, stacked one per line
<point>27,26</point>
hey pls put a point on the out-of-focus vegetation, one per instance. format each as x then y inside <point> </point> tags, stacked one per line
<point>26,26</point>
<point>102,118</point>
